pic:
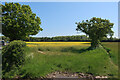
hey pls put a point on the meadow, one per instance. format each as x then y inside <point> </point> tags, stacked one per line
<point>43,58</point>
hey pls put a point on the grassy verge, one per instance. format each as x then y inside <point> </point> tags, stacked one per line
<point>63,57</point>
<point>113,50</point>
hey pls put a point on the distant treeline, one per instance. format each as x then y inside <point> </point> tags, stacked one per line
<point>58,38</point>
<point>76,38</point>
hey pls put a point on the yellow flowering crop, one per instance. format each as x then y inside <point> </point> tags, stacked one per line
<point>56,42</point>
<point>33,44</point>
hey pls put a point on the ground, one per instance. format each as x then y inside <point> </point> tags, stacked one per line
<point>43,58</point>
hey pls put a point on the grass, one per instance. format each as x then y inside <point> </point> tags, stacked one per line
<point>113,47</point>
<point>69,56</point>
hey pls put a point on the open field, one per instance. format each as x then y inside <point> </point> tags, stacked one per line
<point>54,44</point>
<point>45,57</point>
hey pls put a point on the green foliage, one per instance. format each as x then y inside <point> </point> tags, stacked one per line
<point>112,48</point>
<point>76,38</point>
<point>68,58</point>
<point>5,38</point>
<point>70,38</point>
<point>96,28</point>
<point>59,38</point>
<point>12,56</point>
<point>18,21</point>
<point>0,14</point>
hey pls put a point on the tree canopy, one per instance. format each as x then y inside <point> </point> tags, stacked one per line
<point>96,29</point>
<point>18,21</point>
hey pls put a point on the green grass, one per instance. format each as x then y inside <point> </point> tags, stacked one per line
<point>113,46</point>
<point>69,58</point>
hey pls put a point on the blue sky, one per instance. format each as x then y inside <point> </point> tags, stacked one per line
<point>58,18</point>
<point>60,0</point>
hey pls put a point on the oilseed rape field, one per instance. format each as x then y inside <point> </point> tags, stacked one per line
<point>30,44</point>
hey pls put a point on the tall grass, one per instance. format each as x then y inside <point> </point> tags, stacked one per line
<point>113,50</point>
<point>72,58</point>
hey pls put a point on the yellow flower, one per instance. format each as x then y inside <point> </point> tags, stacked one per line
<point>32,44</point>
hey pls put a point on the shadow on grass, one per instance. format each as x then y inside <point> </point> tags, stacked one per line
<point>75,50</point>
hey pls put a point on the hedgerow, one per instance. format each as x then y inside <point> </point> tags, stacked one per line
<point>13,56</point>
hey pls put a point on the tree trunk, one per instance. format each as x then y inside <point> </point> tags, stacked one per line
<point>95,44</point>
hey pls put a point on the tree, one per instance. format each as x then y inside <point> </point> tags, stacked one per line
<point>96,29</point>
<point>0,19</point>
<point>5,38</point>
<point>18,21</point>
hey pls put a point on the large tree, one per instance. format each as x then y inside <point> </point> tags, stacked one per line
<point>18,21</point>
<point>96,29</point>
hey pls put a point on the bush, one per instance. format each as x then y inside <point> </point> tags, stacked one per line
<point>13,55</point>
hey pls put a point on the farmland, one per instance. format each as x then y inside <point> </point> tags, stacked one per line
<point>59,40</point>
<point>43,58</point>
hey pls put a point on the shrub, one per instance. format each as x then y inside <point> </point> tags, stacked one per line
<point>13,55</point>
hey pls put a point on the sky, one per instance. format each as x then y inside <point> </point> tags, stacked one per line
<point>60,0</point>
<point>58,18</point>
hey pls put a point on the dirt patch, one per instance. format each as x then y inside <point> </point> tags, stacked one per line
<point>41,52</point>
<point>59,74</point>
